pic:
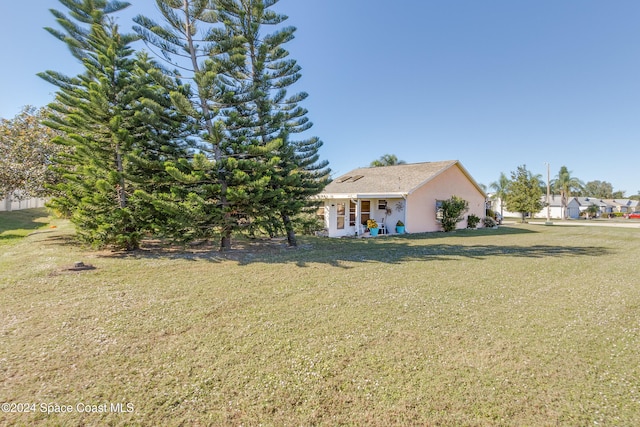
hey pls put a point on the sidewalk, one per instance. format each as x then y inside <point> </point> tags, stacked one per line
<point>592,223</point>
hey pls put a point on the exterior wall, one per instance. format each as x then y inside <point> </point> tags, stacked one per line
<point>396,213</point>
<point>555,212</point>
<point>421,204</point>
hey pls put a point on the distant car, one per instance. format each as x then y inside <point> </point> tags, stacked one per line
<point>635,215</point>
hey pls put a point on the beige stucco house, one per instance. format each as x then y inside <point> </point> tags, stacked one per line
<point>410,193</point>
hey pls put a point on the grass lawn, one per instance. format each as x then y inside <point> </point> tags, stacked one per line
<point>15,225</point>
<point>524,325</point>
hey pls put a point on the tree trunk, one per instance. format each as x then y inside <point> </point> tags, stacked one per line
<point>122,195</point>
<point>8,200</point>
<point>291,234</point>
<point>225,242</point>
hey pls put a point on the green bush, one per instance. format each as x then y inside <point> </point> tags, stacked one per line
<point>453,212</point>
<point>472,221</point>
<point>489,222</point>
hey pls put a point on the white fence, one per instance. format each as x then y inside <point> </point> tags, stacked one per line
<point>16,203</point>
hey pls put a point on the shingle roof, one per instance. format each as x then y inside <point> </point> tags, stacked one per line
<point>397,179</point>
<point>587,201</point>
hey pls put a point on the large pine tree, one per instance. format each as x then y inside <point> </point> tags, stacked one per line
<point>266,113</point>
<point>203,191</point>
<point>247,171</point>
<point>110,119</point>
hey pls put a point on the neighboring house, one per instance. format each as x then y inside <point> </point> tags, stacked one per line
<point>556,209</point>
<point>15,202</point>
<point>576,206</point>
<point>603,206</point>
<point>410,193</point>
<point>622,205</point>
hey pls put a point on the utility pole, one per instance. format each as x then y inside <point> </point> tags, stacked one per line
<point>548,194</point>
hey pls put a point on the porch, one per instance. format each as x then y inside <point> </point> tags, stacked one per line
<point>348,217</point>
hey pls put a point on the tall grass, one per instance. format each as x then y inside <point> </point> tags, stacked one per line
<point>524,325</point>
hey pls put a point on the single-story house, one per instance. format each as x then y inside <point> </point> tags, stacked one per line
<point>556,210</point>
<point>411,193</point>
<point>622,205</point>
<point>576,207</point>
<point>603,206</point>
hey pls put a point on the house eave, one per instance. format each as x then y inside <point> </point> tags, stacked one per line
<point>355,196</point>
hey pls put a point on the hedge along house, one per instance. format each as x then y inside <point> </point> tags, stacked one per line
<point>411,193</point>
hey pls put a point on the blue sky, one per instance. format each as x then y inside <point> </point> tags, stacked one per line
<point>494,83</point>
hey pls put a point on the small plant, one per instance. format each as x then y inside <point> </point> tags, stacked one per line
<point>372,223</point>
<point>399,224</point>
<point>489,222</point>
<point>473,221</point>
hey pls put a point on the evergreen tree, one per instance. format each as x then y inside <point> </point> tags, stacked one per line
<point>266,115</point>
<point>100,114</point>
<point>248,173</point>
<point>204,191</point>
<point>524,192</point>
<point>162,136</point>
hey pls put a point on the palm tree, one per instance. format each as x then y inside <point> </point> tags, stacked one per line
<point>565,184</point>
<point>387,160</point>
<point>500,188</point>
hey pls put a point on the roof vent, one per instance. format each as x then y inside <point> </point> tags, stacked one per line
<point>350,178</point>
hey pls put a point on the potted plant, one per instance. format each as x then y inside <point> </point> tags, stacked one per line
<point>372,225</point>
<point>400,227</point>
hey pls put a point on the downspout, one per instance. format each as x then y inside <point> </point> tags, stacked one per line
<point>406,208</point>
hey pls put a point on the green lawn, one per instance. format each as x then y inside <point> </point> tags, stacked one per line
<point>15,225</point>
<point>524,325</point>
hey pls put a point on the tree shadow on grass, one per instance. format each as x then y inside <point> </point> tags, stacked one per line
<point>27,219</point>
<point>11,236</point>
<point>394,249</point>
<point>394,253</point>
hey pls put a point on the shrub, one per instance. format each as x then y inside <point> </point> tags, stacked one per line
<point>472,221</point>
<point>489,222</point>
<point>399,224</point>
<point>372,223</point>
<point>453,212</point>
<point>308,224</point>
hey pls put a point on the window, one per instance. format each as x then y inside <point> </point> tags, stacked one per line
<point>352,213</point>
<point>365,211</point>
<point>439,211</point>
<point>340,211</point>
<point>382,205</point>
